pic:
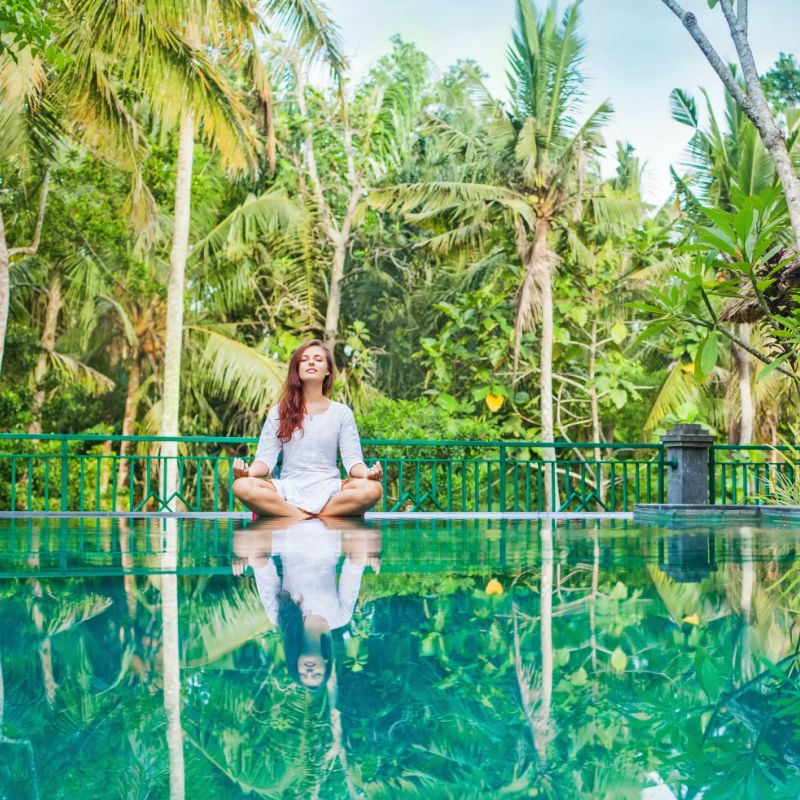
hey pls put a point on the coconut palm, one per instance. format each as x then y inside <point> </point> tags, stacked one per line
<point>306,22</point>
<point>106,55</point>
<point>530,171</point>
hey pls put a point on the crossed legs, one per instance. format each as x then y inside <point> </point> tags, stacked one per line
<point>356,496</point>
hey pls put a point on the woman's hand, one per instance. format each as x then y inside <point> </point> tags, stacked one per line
<point>240,469</point>
<point>375,472</point>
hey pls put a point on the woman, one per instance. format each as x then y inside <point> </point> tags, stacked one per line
<point>309,429</point>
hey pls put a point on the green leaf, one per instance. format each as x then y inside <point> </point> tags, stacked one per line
<point>618,397</point>
<point>619,592</point>
<point>619,332</point>
<point>707,675</point>
<point>706,358</point>
<point>579,677</point>
<point>619,661</point>
<point>579,315</point>
<point>683,108</point>
<point>773,365</point>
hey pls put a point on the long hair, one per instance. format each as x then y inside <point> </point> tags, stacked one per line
<point>292,407</point>
<point>290,624</point>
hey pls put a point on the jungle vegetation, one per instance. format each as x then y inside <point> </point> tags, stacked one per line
<point>176,219</point>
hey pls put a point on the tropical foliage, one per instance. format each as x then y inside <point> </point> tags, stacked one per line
<point>490,259</point>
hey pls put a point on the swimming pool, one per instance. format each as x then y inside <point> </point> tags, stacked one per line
<point>467,657</point>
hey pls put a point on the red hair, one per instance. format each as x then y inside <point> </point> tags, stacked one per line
<point>292,407</point>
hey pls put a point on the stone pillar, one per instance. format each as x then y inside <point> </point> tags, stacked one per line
<point>687,482</point>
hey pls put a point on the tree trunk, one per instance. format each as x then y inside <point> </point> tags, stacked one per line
<point>175,289</point>
<point>55,303</point>
<point>543,722</point>
<point>5,287</point>
<point>537,289</point>
<point>752,101</point>
<point>337,231</point>
<point>335,290</point>
<point>128,429</point>
<point>546,388</point>
<point>172,663</point>
<point>7,252</point>
<point>744,369</point>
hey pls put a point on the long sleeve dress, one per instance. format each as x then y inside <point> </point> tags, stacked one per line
<point>309,474</point>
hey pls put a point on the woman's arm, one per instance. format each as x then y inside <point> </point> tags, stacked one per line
<point>269,446</point>
<point>258,469</point>
<point>374,473</point>
<point>350,448</point>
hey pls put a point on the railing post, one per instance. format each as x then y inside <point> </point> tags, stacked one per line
<point>65,474</point>
<point>502,477</point>
<point>687,451</point>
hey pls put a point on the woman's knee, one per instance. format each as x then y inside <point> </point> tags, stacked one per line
<point>240,488</point>
<point>377,490</point>
<point>244,488</point>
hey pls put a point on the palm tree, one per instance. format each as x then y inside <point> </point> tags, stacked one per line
<point>533,176</point>
<point>305,21</point>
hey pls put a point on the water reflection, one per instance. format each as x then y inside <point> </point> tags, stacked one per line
<point>509,660</point>
<point>303,598</point>
<point>687,557</point>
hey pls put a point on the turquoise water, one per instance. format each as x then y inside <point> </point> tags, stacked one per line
<point>467,658</point>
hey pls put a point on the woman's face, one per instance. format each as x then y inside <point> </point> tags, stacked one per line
<point>311,669</point>
<point>313,364</point>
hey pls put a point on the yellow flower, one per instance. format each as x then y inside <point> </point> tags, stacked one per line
<point>494,401</point>
<point>692,619</point>
<point>494,587</point>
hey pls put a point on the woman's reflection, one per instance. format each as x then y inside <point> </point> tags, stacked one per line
<point>303,599</point>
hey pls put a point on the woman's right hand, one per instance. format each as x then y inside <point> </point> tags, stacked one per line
<point>240,469</point>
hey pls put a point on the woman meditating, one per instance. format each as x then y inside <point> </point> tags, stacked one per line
<point>309,429</point>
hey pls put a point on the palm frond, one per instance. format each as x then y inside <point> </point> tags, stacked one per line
<point>543,75</point>
<point>90,379</point>
<point>616,214</point>
<point>122,314</point>
<point>755,171</point>
<point>239,372</point>
<point>683,108</point>
<point>430,199</point>
<point>269,213</point>
<point>86,89</point>
<point>307,25</point>
<point>470,234</point>
<point>73,611</point>
<point>678,388</point>
<point>579,252</point>
<point>28,122</point>
<point>220,627</point>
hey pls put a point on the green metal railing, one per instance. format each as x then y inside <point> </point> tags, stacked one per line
<point>752,475</point>
<point>95,473</point>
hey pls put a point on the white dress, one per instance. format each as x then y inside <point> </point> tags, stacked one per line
<point>309,474</point>
<point>309,554</point>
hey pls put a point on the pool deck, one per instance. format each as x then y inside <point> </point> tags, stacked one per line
<point>661,512</point>
<point>370,515</point>
<point>651,513</point>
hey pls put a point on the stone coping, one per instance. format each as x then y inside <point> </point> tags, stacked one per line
<point>702,513</point>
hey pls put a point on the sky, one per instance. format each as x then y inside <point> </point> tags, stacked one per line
<point>636,53</point>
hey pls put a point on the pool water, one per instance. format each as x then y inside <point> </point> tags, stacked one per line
<point>433,658</point>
